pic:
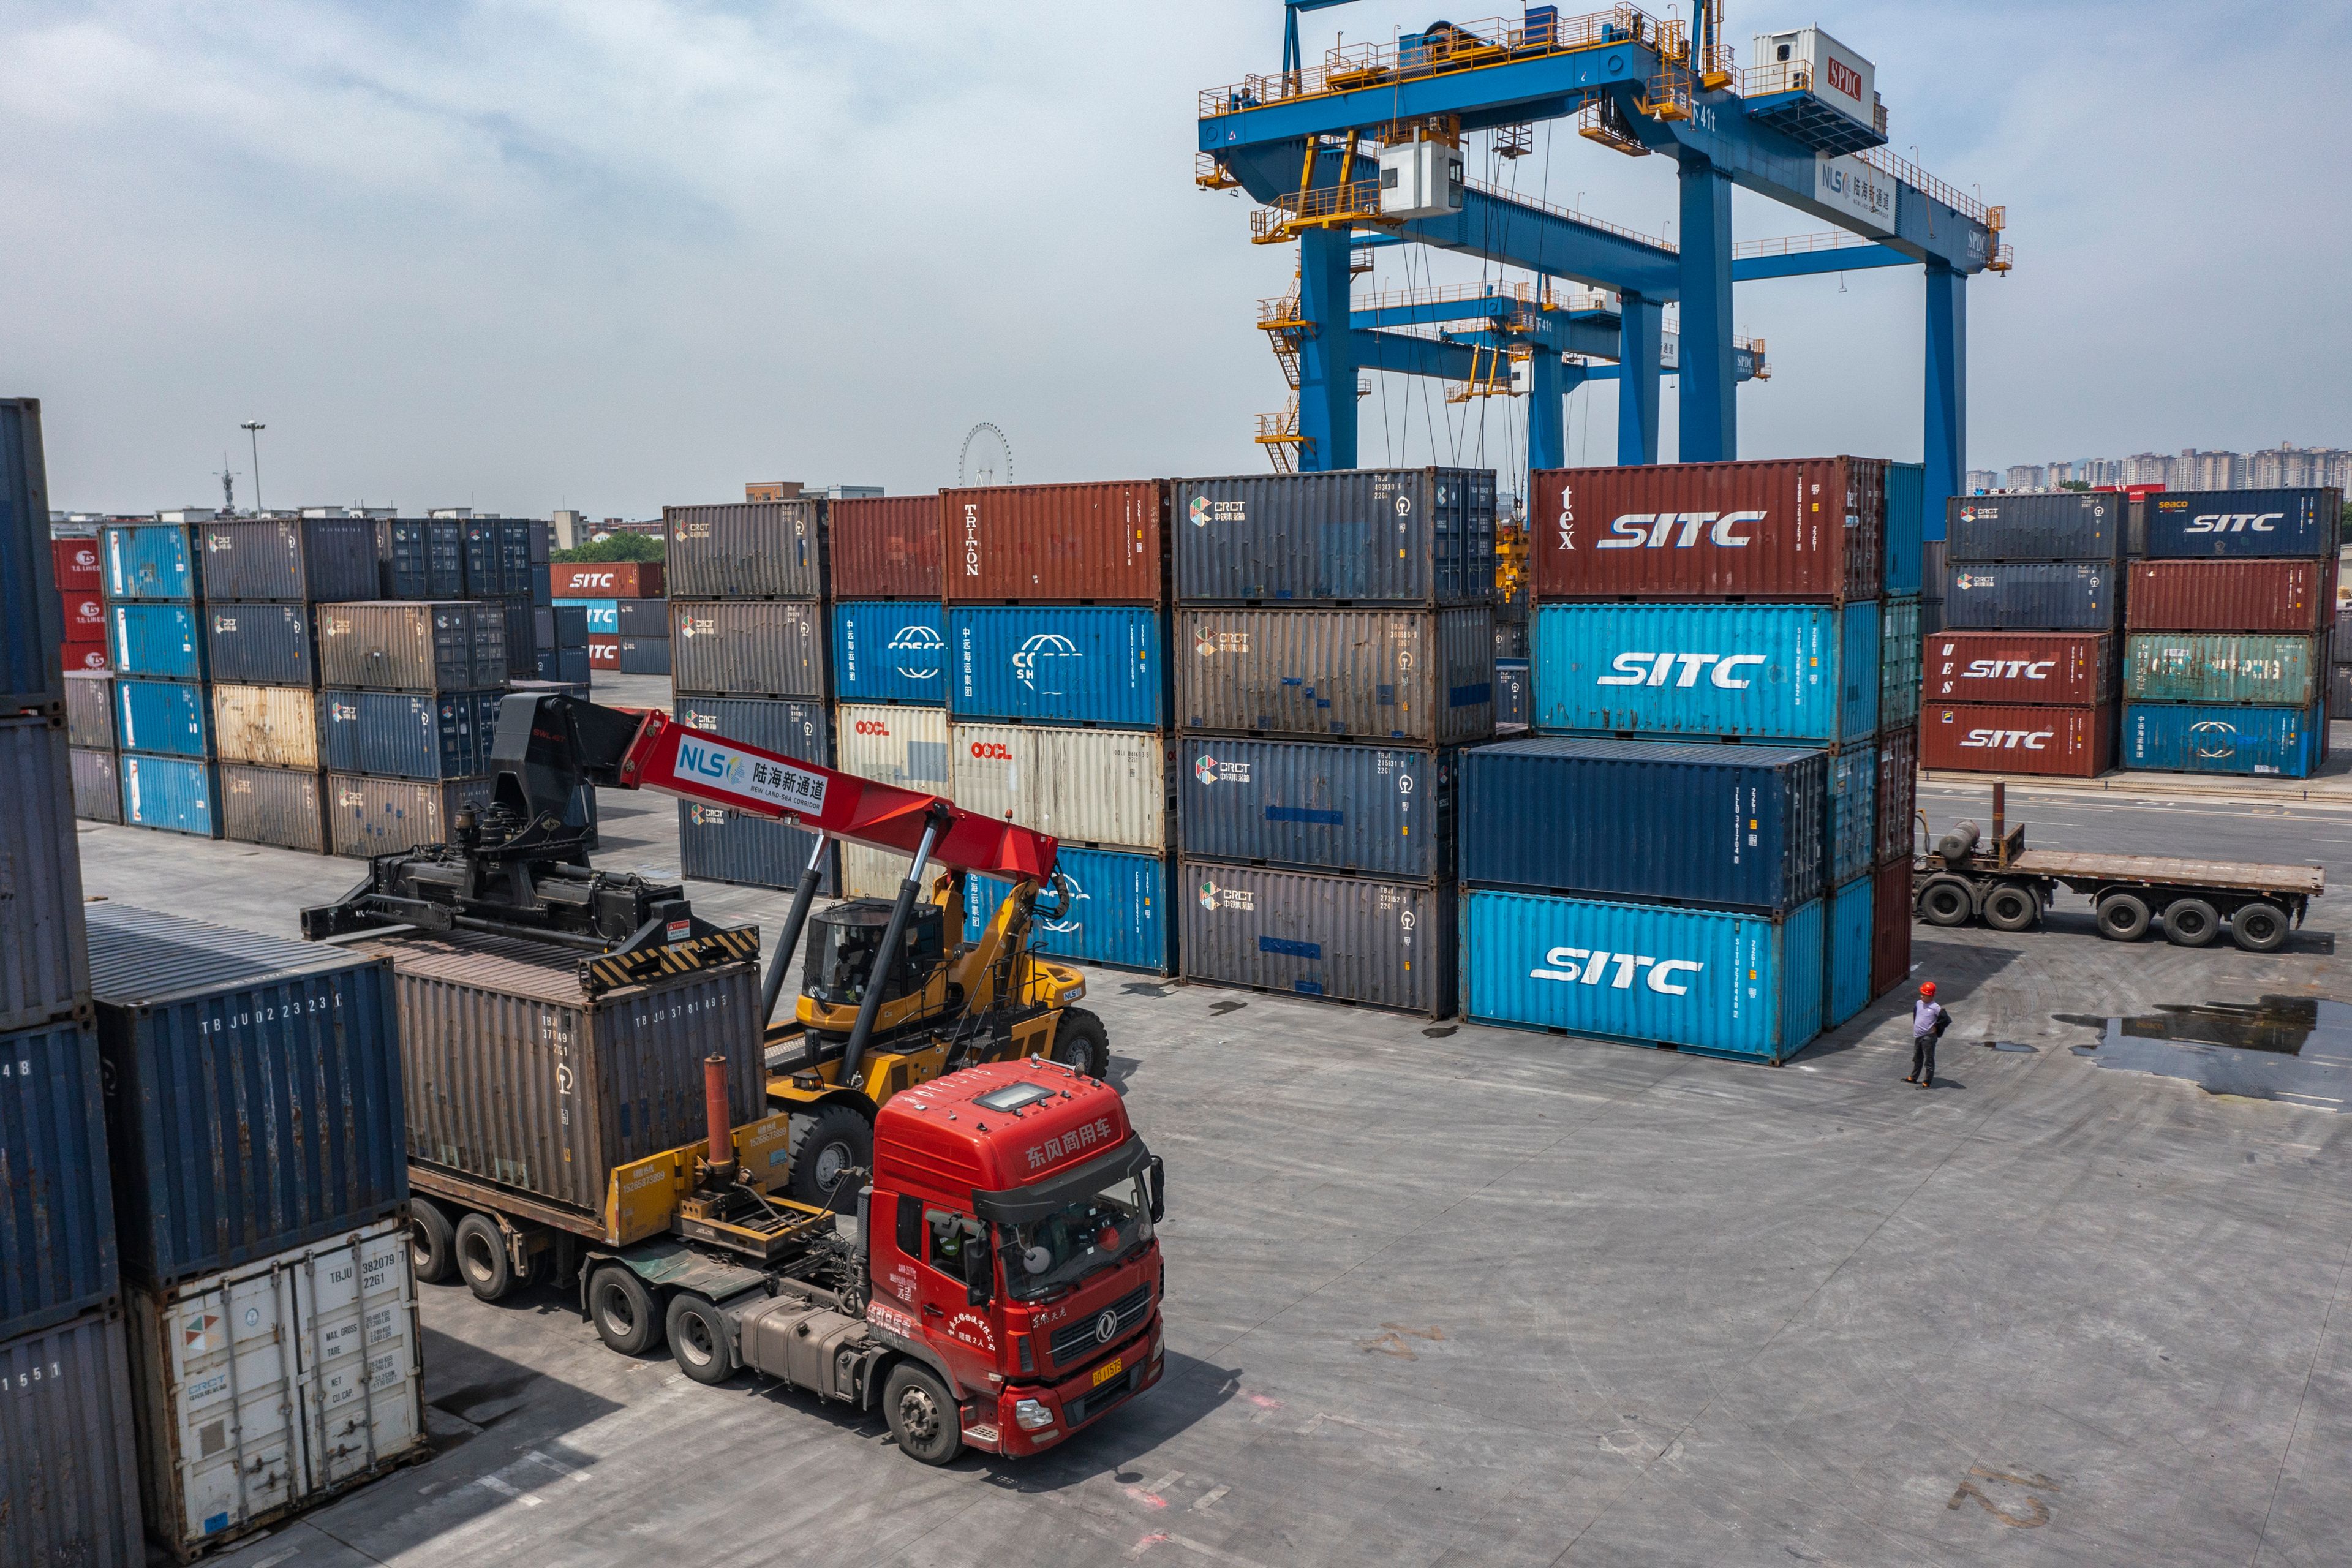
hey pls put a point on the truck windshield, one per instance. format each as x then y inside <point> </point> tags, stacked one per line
<point>1058,1251</point>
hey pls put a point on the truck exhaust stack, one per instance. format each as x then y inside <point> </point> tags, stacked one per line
<point>720,1161</point>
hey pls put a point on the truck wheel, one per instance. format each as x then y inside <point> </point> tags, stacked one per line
<point>1945,902</point>
<point>2259,927</point>
<point>623,1310</point>
<point>1083,1043</point>
<point>923,1417</point>
<point>2012,907</point>
<point>2123,916</point>
<point>837,1139</point>
<point>698,1338</point>
<point>482,1258</point>
<point>432,1241</point>
<point>2191,922</point>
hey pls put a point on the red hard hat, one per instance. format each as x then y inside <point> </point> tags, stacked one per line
<point>1928,989</point>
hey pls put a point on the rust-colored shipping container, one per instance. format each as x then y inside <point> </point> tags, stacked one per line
<point>1792,528</point>
<point>1104,543</point>
<point>2057,670</point>
<point>605,579</point>
<point>1890,928</point>
<point>2062,742</point>
<point>604,653</point>
<point>885,547</point>
<point>1898,794</point>
<point>2244,595</point>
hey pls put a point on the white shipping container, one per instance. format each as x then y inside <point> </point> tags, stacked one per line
<point>1810,61</point>
<point>261,1389</point>
<point>902,746</point>
<point>276,726</point>
<point>1104,787</point>
<point>870,873</point>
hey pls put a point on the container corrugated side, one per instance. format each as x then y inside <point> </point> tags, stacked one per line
<point>608,581</point>
<point>2030,596</point>
<point>1722,825</point>
<point>1701,980</point>
<point>164,642</point>
<point>151,561</point>
<point>2267,670</point>
<point>167,717</point>
<point>1850,938</point>
<point>748,649</point>
<point>2075,525</point>
<point>262,645</point>
<point>1853,812</point>
<point>1325,805</point>
<point>2170,737</point>
<point>44,966</point>
<point>890,651</point>
<point>1395,536</point>
<point>602,616</point>
<point>866,872</point>
<point>2063,743</point>
<point>1898,792</point>
<point>644,656</point>
<point>2232,595</point>
<point>90,708</point>
<point>1346,939</point>
<point>284,806</point>
<point>1113,910</point>
<point>1899,658</point>
<point>745,550</point>
<point>404,734</point>
<point>885,547</point>
<point>383,816</point>
<point>1061,664</point>
<point>57,1256</point>
<point>253,1091</point>
<point>1906,527</point>
<point>421,558</point>
<point>275,726</point>
<point>1104,542</point>
<point>457,645</point>
<point>1423,677</point>
<point>97,786</point>
<point>903,746</point>
<point>1794,672</point>
<point>1890,923</point>
<point>32,624</point>
<point>1791,528</point>
<point>2198,523</point>
<point>2061,669</point>
<point>68,1471</point>
<point>178,795</point>
<point>722,846</point>
<point>1106,788</point>
<point>316,559</point>
<point>796,730</point>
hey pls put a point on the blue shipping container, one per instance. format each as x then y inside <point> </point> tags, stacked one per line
<point>32,619</point>
<point>253,1091</point>
<point>1322,806</point>
<point>1729,826</point>
<point>56,1211</point>
<point>569,666</point>
<point>1702,980</point>
<point>151,561</point>
<point>1788,672</point>
<point>405,734</point>
<point>2187,737</point>
<point>890,652</point>
<point>1853,812</point>
<point>262,645</point>
<point>1907,525</point>
<point>603,614</point>
<point>2030,596</point>
<point>2199,523</point>
<point>1849,959</point>
<point>166,641</point>
<point>171,792</point>
<point>168,718</point>
<point>421,558</point>
<point>1058,664</point>
<point>1115,912</point>
<point>777,724</point>
<point>572,623</point>
<point>2067,525</point>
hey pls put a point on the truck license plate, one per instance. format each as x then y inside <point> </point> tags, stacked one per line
<point>1109,1370</point>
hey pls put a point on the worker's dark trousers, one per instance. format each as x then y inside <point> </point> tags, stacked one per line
<point>1923,1057</point>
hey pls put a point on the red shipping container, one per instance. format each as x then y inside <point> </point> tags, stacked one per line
<point>885,547</point>
<point>2249,595</point>
<point>2063,743</point>
<point>1898,794</point>
<point>76,561</point>
<point>85,614</point>
<point>1807,528</point>
<point>1890,928</point>
<point>2061,670</point>
<point>606,579</point>
<point>1094,544</point>
<point>604,653</point>
<point>83,656</point>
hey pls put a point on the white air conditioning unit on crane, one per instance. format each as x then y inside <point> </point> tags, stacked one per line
<point>1421,179</point>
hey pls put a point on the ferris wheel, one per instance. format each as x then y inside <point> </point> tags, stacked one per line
<point>992,458</point>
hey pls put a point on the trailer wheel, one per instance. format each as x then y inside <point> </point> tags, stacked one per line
<point>2259,927</point>
<point>837,1139</point>
<point>923,1417</point>
<point>2123,916</point>
<point>2012,907</point>
<point>698,1338</point>
<point>1946,901</point>
<point>623,1310</point>
<point>432,1241</point>
<point>2191,922</point>
<point>482,1257</point>
<point>1083,1043</point>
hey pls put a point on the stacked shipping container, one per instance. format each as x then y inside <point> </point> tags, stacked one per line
<point>889,660</point>
<point>153,577</point>
<point>622,606</point>
<point>411,689</point>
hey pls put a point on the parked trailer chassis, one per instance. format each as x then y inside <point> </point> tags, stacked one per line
<point>2193,901</point>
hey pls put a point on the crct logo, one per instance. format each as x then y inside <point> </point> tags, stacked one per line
<point>1208,771</point>
<point>2010,669</point>
<point>1043,663</point>
<point>1213,898</point>
<point>2010,740</point>
<point>1590,966</point>
<point>1682,530</point>
<point>1208,642</point>
<point>1205,512</point>
<point>1682,669</point>
<point>2234,523</point>
<point>918,649</point>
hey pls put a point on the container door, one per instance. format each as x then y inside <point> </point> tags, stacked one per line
<point>361,1389</point>
<point>227,1400</point>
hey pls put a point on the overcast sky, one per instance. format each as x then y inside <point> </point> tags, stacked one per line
<point>609,255</point>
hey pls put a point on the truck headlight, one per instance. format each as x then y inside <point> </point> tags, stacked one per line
<point>1030,1416</point>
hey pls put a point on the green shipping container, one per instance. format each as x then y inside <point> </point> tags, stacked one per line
<point>1899,662</point>
<point>2258,669</point>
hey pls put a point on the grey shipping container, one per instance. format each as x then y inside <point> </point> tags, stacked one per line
<point>253,1091</point>
<point>293,559</point>
<point>797,729</point>
<point>390,646</point>
<point>32,617</point>
<point>716,845</point>
<point>97,786</point>
<point>519,1079</point>
<point>2072,525</point>
<point>421,558</point>
<point>262,645</point>
<point>2340,691</point>
<point>44,966</point>
<point>69,1473</point>
<point>1330,805</point>
<point>644,656</point>
<point>747,649</point>
<point>2031,596</point>
<point>1396,675</point>
<point>90,708</point>
<point>1396,536</point>
<point>1349,939</point>
<point>56,1211</point>
<point>285,806</point>
<point>1513,693</point>
<point>381,817</point>
<point>745,550</point>
<point>643,617</point>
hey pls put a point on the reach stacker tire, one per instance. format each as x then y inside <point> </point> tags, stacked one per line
<point>2123,916</point>
<point>432,1241</point>
<point>838,1138</point>
<point>623,1310</point>
<point>1946,901</point>
<point>2191,922</point>
<point>482,1257</point>
<point>2012,907</point>
<point>1083,1043</point>
<point>2259,927</point>
<point>922,1417</point>
<point>698,1338</point>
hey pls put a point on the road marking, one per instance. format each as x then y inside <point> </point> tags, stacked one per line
<point>508,1490</point>
<point>1208,1499</point>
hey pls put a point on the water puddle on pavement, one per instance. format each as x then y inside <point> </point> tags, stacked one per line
<point>2294,1049</point>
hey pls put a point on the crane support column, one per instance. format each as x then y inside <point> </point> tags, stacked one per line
<point>1710,429</point>
<point>1639,328</point>
<point>1327,354</point>
<point>1547,411</point>
<point>1945,450</point>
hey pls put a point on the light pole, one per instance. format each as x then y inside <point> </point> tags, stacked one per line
<point>252,428</point>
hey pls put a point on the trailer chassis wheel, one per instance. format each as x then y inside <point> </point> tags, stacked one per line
<point>621,1307</point>
<point>2011,906</point>
<point>923,1416</point>
<point>2191,922</point>
<point>2123,916</point>
<point>482,1257</point>
<point>698,1338</point>
<point>432,1241</point>
<point>2259,927</point>
<point>1946,901</point>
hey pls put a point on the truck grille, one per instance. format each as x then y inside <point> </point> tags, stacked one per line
<point>1078,1340</point>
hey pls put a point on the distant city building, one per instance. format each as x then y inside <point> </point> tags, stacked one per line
<point>2025,477</point>
<point>1981,479</point>
<point>842,492</point>
<point>770,489</point>
<point>571,528</point>
<point>2284,467</point>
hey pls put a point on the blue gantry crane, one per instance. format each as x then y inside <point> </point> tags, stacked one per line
<point>1366,148</point>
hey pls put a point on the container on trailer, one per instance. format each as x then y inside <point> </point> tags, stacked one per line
<point>717,844</point>
<point>745,550</point>
<point>2030,596</point>
<point>2062,742</point>
<point>2063,670</point>
<point>166,642</point>
<point>1343,939</point>
<point>97,786</point>
<point>1058,664</point>
<point>1906,527</point>
<point>2232,595</point>
<point>902,746</point>
<point>383,816</point>
<point>1419,676</point>
<point>1107,788</point>
<point>275,726</point>
<point>1110,908</point>
<point>640,618</point>
<point>2226,739</point>
<point>263,645</point>
<point>1513,693</point>
<point>285,806</point>
<point>1390,536</point>
<point>405,734</point>
<point>885,547</point>
<point>1717,982</point>
<point>151,561</point>
<point>1104,542</point>
<point>643,656</point>
<point>57,1253</point>
<point>90,708</point>
<point>890,651</point>
<point>604,653</point>
<point>1735,827</point>
<point>421,558</point>
<point>31,623</point>
<point>2067,525</point>
<point>571,625</point>
<point>1800,528</point>
<point>44,969</point>
<point>169,718</point>
<point>1853,812</point>
<point>68,1471</point>
<point>1852,938</point>
<point>1794,672</point>
<point>2197,524</point>
<point>1327,806</point>
<point>1898,792</point>
<point>746,649</point>
<point>1899,660</point>
<point>84,613</point>
<point>1890,925</point>
<point>395,646</point>
<point>601,617</point>
<point>293,559</point>
<point>178,795</point>
<point>253,1094</point>
<point>2266,669</point>
<point>269,1387</point>
<point>74,562</point>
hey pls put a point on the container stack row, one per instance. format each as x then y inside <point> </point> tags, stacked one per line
<point>81,603</point>
<point>625,614</point>
<point>2339,670</point>
<point>890,661</point>
<point>450,556</point>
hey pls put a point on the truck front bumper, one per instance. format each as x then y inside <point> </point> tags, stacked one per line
<point>1075,1402</point>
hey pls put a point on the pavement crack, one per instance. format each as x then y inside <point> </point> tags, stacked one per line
<point>2303,1400</point>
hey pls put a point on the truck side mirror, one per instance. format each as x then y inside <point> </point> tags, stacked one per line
<point>978,1270</point>
<point>1159,1179</point>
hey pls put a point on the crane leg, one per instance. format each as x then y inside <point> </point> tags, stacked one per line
<point>789,941</point>
<point>854,1052</point>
